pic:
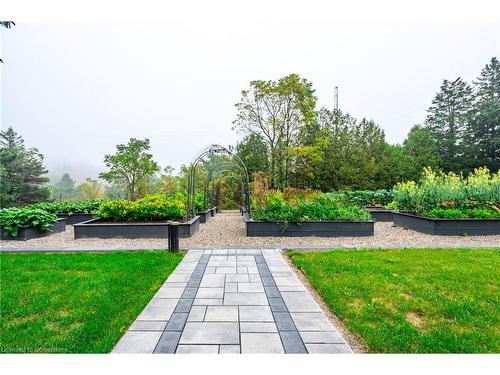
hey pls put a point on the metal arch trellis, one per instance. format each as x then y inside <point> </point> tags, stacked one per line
<point>208,151</point>
<point>213,173</point>
<point>227,174</point>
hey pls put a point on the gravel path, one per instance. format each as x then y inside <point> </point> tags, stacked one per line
<point>227,230</point>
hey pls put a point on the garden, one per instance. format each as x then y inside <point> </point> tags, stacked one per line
<point>149,216</point>
<point>439,203</point>
<point>324,179</point>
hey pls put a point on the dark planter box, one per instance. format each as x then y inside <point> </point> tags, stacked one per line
<point>95,228</point>
<point>380,214</point>
<point>447,227</point>
<point>215,210</point>
<point>204,216</point>
<point>309,228</point>
<point>75,218</point>
<point>27,233</point>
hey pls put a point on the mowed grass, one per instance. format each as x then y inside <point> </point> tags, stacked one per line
<point>75,302</point>
<point>412,300</point>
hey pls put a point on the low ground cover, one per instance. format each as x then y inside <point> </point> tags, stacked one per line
<point>75,302</point>
<point>310,206</point>
<point>450,195</point>
<point>412,300</point>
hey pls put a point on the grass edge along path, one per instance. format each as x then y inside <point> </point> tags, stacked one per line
<point>75,302</point>
<point>411,300</point>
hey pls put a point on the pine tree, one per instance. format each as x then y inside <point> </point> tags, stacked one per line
<point>447,119</point>
<point>22,172</point>
<point>421,150</point>
<point>482,138</point>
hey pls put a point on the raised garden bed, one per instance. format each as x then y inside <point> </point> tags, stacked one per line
<point>447,227</point>
<point>204,216</point>
<point>28,233</point>
<point>75,218</point>
<point>380,213</point>
<point>308,228</point>
<point>96,228</point>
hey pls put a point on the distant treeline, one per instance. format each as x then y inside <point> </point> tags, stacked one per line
<point>298,145</point>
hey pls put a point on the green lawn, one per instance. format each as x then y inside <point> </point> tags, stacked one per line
<point>412,300</point>
<point>75,302</point>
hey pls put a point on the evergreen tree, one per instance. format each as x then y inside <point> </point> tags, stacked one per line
<point>447,119</point>
<point>482,138</point>
<point>22,172</point>
<point>65,188</point>
<point>352,153</point>
<point>420,149</point>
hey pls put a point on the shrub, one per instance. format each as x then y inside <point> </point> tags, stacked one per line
<point>13,219</point>
<point>199,202</point>
<point>480,190</point>
<point>260,188</point>
<point>150,208</point>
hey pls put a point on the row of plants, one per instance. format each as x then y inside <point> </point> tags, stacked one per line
<point>68,208</point>
<point>307,206</point>
<point>449,195</point>
<point>14,218</point>
<point>153,207</point>
<point>366,198</point>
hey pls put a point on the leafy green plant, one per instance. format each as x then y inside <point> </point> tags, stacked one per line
<point>457,213</point>
<point>150,208</point>
<point>317,207</point>
<point>365,198</point>
<point>68,208</point>
<point>480,190</point>
<point>199,202</point>
<point>13,219</point>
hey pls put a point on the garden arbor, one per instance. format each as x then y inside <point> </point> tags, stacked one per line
<point>222,171</point>
<point>234,168</point>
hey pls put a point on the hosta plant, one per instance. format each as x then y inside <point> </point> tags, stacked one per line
<point>13,219</point>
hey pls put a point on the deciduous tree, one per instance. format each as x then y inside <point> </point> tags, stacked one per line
<point>130,166</point>
<point>273,111</point>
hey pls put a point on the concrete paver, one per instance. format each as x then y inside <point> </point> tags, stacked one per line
<point>231,301</point>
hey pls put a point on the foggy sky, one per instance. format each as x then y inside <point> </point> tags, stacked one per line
<point>75,90</point>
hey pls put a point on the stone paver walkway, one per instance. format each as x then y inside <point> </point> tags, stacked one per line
<point>232,301</point>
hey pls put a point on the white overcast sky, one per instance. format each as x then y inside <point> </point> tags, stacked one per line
<point>76,89</point>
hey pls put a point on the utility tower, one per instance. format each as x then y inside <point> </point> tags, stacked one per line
<point>336,99</point>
